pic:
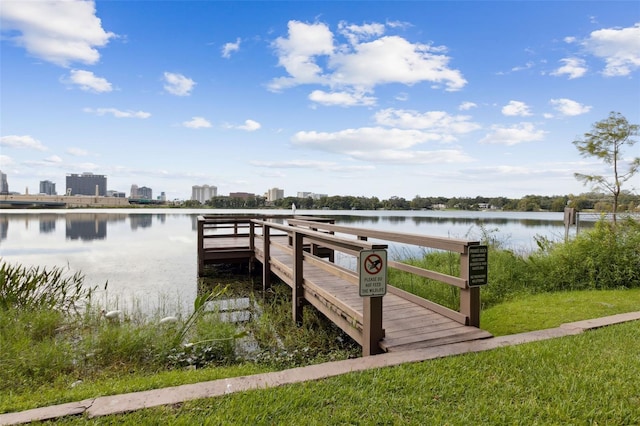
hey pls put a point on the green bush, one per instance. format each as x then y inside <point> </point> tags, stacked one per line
<point>606,257</point>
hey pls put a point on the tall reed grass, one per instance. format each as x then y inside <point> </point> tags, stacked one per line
<point>606,257</point>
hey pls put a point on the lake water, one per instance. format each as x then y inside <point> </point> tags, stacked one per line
<point>149,256</point>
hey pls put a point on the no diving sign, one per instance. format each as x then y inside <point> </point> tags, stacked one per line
<point>373,273</point>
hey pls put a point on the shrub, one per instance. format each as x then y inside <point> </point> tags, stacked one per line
<point>606,257</point>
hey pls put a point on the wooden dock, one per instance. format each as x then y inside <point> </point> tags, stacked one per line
<point>300,251</point>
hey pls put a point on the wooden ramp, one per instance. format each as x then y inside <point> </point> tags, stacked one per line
<point>406,325</point>
<point>399,320</point>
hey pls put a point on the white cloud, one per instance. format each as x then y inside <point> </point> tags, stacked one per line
<point>310,56</point>
<point>346,99</point>
<point>619,47</point>
<point>250,126</point>
<point>466,106</point>
<point>297,52</point>
<point>526,66</point>
<point>362,139</point>
<point>197,123</point>
<point>573,68</point>
<point>569,107</point>
<point>118,113</point>
<point>77,152</point>
<point>228,48</point>
<point>311,165</point>
<point>88,82</point>
<point>437,122</point>
<point>178,84</point>
<point>60,32</point>
<point>392,59</point>
<point>26,141</point>
<point>53,159</point>
<point>518,133</point>
<point>391,156</point>
<point>516,108</point>
<point>356,33</point>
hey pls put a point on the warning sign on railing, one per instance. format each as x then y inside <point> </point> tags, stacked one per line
<point>373,273</point>
<point>478,265</point>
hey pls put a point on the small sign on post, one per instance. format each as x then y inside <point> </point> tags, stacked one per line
<point>373,273</point>
<point>478,265</point>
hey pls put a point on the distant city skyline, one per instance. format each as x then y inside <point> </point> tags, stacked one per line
<point>366,98</point>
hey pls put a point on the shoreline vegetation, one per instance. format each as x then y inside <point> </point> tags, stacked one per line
<point>591,201</point>
<point>59,344</point>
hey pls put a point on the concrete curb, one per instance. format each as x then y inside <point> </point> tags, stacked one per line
<point>123,403</point>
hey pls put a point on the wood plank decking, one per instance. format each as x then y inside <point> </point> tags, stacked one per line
<point>407,321</point>
<point>406,324</point>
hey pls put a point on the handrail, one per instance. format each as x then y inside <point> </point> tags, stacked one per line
<point>469,296</point>
<point>311,240</point>
<point>371,317</point>
<point>442,243</point>
<point>323,238</point>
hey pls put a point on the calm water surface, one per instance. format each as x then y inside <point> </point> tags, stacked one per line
<point>148,257</point>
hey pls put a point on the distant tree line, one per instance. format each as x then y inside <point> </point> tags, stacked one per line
<point>530,203</point>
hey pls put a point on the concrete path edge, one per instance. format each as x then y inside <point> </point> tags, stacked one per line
<point>116,404</point>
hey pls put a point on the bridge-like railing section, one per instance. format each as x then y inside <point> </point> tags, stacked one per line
<point>469,311</point>
<point>301,250</point>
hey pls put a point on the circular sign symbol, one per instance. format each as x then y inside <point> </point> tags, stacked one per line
<point>373,264</point>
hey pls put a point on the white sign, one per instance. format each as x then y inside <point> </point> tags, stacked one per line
<point>373,273</point>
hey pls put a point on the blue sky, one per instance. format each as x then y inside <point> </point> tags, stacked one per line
<point>336,97</point>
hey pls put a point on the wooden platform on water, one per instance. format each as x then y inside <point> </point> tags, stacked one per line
<point>407,321</point>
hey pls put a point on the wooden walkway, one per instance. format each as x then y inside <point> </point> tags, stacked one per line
<point>406,321</point>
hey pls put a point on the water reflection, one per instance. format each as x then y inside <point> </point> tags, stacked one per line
<point>85,228</point>
<point>444,220</point>
<point>148,257</point>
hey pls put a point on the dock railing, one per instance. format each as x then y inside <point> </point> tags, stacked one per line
<point>241,227</point>
<point>469,309</point>
<point>304,245</point>
<point>284,244</point>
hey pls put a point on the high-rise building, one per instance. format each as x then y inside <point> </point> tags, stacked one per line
<point>145,193</point>
<point>87,184</point>
<point>134,191</point>
<point>275,194</point>
<point>4,184</point>
<point>48,187</point>
<point>203,193</point>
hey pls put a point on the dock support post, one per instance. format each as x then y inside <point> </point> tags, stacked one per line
<point>469,296</point>
<point>266,264</point>
<point>200,246</point>
<point>298,277</point>
<point>372,327</point>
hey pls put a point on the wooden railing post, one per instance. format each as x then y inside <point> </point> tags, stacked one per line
<point>469,296</point>
<point>298,277</point>
<point>372,327</point>
<point>200,246</point>
<point>266,265</point>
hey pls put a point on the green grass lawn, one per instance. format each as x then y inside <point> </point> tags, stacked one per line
<point>548,310</point>
<point>586,379</point>
<point>589,379</point>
